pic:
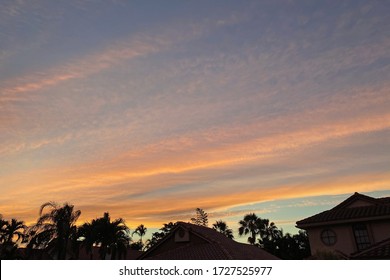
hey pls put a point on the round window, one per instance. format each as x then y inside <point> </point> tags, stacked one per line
<point>328,237</point>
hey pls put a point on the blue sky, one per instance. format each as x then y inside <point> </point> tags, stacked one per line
<point>149,110</point>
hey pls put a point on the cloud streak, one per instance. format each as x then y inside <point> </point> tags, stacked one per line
<point>81,68</point>
<point>220,111</point>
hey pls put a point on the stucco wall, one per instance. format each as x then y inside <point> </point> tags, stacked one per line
<point>380,230</point>
<point>345,242</point>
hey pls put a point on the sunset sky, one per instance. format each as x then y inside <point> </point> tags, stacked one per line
<point>149,109</point>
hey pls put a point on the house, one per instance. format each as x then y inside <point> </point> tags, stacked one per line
<point>357,228</point>
<point>192,242</point>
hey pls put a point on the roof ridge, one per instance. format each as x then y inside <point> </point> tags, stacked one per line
<point>159,242</point>
<point>376,211</point>
<point>197,229</point>
<point>353,198</point>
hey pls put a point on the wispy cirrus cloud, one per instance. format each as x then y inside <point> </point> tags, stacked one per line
<point>221,111</point>
<point>172,157</point>
<point>116,53</point>
<point>79,68</point>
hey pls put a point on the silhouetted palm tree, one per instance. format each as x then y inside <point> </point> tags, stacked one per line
<point>87,236</point>
<point>268,232</point>
<point>8,243</point>
<point>14,228</point>
<point>269,235</point>
<point>112,237</point>
<point>3,224</point>
<point>140,231</point>
<point>222,227</point>
<point>249,225</point>
<point>54,228</point>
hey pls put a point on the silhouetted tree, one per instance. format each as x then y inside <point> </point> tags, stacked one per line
<point>54,228</point>
<point>167,227</point>
<point>11,232</point>
<point>255,226</point>
<point>289,247</point>
<point>269,234</point>
<point>13,229</point>
<point>222,227</point>
<point>249,225</point>
<point>302,245</point>
<point>201,218</point>
<point>87,235</point>
<point>137,245</point>
<point>140,231</point>
<point>3,224</point>
<point>157,236</point>
<point>112,236</point>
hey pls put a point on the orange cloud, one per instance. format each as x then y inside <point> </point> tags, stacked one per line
<point>172,208</point>
<point>172,157</point>
<point>83,67</point>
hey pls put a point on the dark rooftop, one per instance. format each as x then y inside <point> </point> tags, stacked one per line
<point>377,251</point>
<point>216,247</point>
<point>375,209</point>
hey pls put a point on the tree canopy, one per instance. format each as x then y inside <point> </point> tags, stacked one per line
<point>201,218</point>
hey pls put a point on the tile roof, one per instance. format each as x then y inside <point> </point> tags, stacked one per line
<point>190,251</point>
<point>361,197</point>
<point>130,254</point>
<point>380,250</point>
<point>385,200</point>
<point>216,247</point>
<point>379,209</point>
